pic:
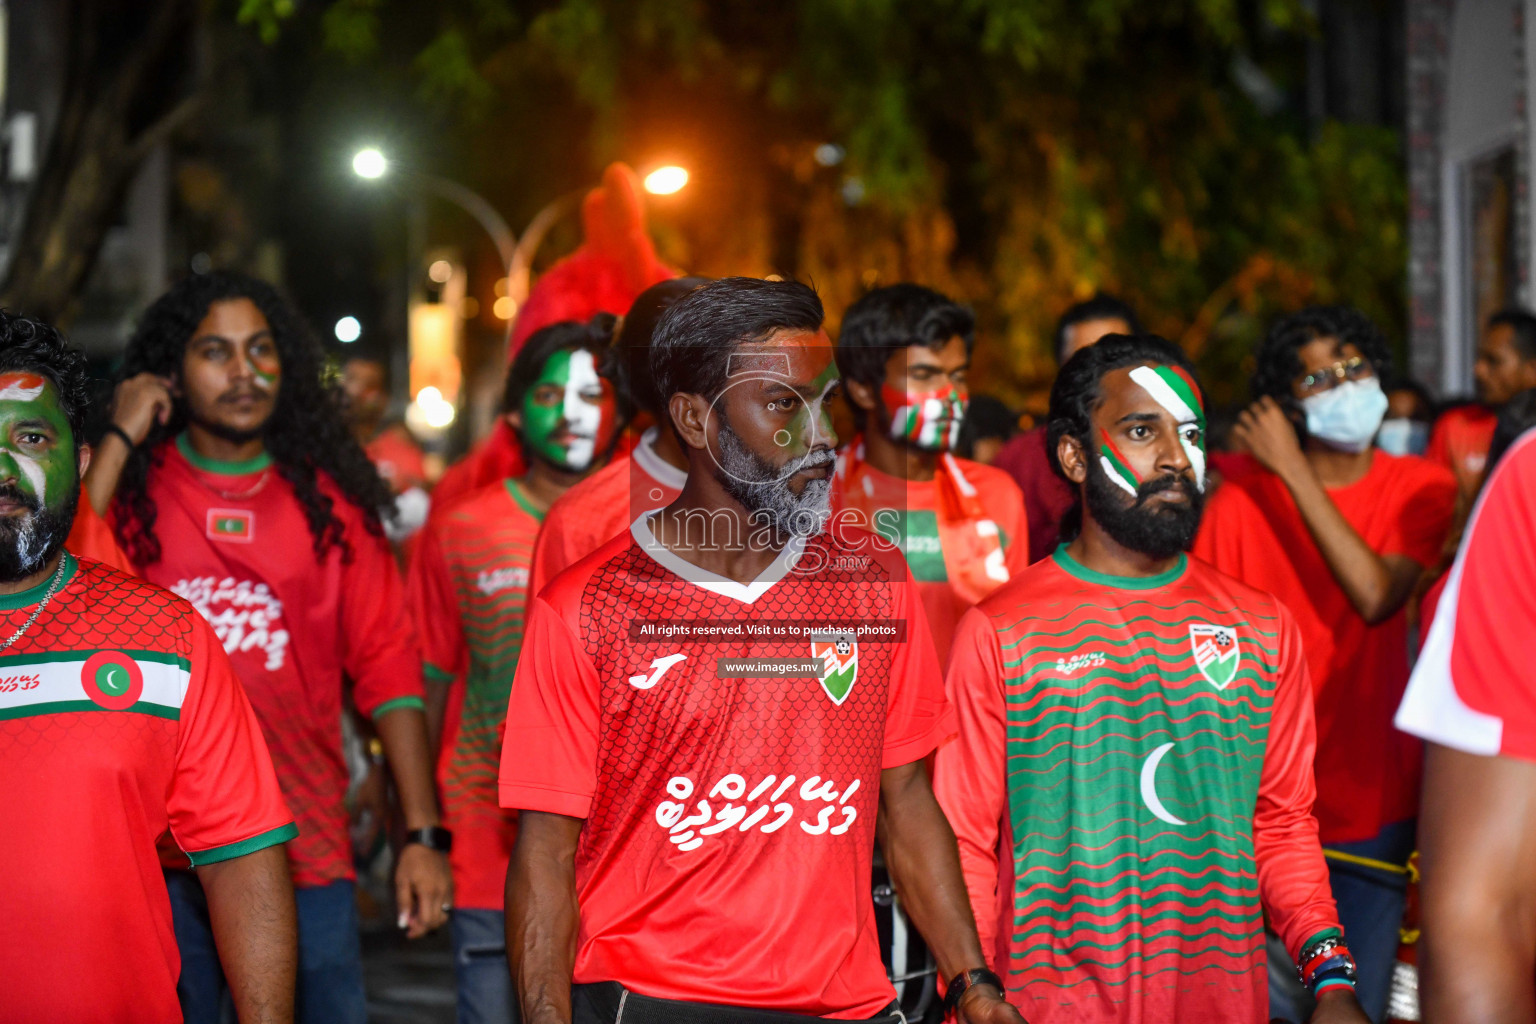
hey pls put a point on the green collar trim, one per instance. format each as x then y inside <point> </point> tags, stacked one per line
<point>1075,568</point>
<point>252,465</point>
<point>522,500</point>
<point>29,597</point>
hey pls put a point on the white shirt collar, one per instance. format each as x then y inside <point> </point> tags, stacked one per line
<point>659,469</point>
<point>746,593</point>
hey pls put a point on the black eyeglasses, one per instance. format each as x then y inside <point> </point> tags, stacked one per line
<point>1330,377</point>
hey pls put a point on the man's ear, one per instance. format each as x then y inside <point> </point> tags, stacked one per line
<point>83,455</point>
<point>860,394</point>
<point>690,413</point>
<point>1073,457</point>
<point>514,420</point>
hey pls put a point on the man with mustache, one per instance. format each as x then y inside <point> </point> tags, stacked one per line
<point>120,718</point>
<point>236,483</point>
<point>710,710</point>
<point>1131,786</point>
<point>905,355</point>
<point>469,587</point>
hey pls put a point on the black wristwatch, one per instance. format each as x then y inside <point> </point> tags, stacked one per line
<point>960,982</point>
<point>433,837</point>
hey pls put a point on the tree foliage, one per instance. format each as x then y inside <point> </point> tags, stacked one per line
<point>1021,154</point>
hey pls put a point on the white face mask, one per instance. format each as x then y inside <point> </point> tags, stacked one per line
<point>1403,436</point>
<point>1348,416</point>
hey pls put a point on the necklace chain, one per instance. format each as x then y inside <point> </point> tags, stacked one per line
<point>53,586</point>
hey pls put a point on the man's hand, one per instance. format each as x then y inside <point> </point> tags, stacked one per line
<point>983,1004</point>
<point>423,889</point>
<point>1338,1005</point>
<point>1264,430</point>
<point>142,401</point>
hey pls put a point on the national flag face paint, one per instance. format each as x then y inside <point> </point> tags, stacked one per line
<point>29,411</point>
<point>1115,465</point>
<point>1175,390</point>
<point>929,420</point>
<point>571,431</point>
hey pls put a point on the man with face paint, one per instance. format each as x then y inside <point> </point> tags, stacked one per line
<point>1131,786</point>
<point>648,476</point>
<point>120,719</point>
<point>700,737</point>
<point>1340,531</point>
<point>905,353</point>
<point>468,587</point>
<point>230,453</point>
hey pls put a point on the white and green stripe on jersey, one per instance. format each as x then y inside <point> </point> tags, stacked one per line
<point>53,682</point>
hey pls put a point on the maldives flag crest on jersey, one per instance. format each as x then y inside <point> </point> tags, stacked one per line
<point>839,656</point>
<point>231,524</point>
<point>1216,654</point>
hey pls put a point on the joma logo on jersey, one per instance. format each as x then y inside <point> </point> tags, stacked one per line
<point>1067,666</point>
<point>231,524</point>
<point>1216,653</point>
<point>840,655</point>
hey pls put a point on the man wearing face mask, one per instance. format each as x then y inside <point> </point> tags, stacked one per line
<point>468,588</point>
<point>1340,531</point>
<point>905,354</point>
<point>1405,430</point>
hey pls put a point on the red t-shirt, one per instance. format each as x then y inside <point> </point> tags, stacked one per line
<point>498,457</point>
<point>397,457</point>
<point>119,718</point>
<point>468,586</point>
<point>1131,783</point>
<point>602,506</point>
<point>1047,497</point>
<point>1474,688</point>
<point>963,532</point>
<point>91,536</point>
<point>235,542</point>
<point>730,822</point>
<point>1460,443</point>
<point>1367,771</point>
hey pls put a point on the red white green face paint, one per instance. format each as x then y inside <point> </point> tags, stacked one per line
<point>929,421</point>
<point>1175,390</point>
<point>35,437</point>
<point>568,413</point>
<point>265,365</point>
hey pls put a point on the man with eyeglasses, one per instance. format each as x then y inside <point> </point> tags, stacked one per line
<point>1340,532</point>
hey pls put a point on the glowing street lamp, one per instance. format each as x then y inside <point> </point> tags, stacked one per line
<point>369,163</point>
<point>664,181</point>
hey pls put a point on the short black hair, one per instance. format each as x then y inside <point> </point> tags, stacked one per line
<point>1523,323</point>
<point>1276,364</point>
<point>634,340</point>
<point>1102,306</point>
<point>1076,392</point>
<point>1516,416</point>
<point>692,346</point>
<point>31,346</point>
<point>595,336</point>
<point>888,320</point>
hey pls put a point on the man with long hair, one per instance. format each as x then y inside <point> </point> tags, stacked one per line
<point>469,587</point>
<point>120,720</point>
<point>227,452</point>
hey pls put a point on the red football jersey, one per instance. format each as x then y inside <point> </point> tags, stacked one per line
<point>1460,443</point>
<point>602,506</point>
<point>1474,688</point>
<point>1131,789</point>
<point>119,718</point>
<point>398,458</point>
<point>91,536</point>
<point>235,543</point>
<point>468,587</point>
<point>1367,771</point>
<point>963,532</point>
<point>730,820</point>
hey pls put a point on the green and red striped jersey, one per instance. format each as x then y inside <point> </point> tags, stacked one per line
<point>1141,750</point>
<point>468,587</point>
<point>120,719</point>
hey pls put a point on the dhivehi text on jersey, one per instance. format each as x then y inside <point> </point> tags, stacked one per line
<point>245,616</point>
<point>769,805</point>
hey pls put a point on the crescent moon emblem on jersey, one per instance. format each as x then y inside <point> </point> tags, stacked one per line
<point>1149,786</point>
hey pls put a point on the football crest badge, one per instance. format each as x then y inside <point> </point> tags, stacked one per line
<point>839,655</point>
<point>1216,653</point>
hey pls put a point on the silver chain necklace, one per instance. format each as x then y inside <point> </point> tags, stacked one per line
<point>53,586</point>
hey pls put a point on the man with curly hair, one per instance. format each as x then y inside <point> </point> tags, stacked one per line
<point>225,452</point>
<point>1340,531</point>
<point>120,719</point>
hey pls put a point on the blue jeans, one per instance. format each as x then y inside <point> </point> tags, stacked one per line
<point>480,968</point>
<point>330,989</point>
<point>1371,905</point>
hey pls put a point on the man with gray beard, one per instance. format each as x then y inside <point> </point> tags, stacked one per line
<point>710,711</point>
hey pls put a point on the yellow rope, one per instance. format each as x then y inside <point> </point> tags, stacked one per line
<point>1365,862</point>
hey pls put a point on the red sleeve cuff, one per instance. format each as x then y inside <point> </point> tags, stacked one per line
<point>523,797</point>
<point>920,746</point>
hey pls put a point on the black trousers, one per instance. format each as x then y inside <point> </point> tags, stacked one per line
<point>608,1002</point>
